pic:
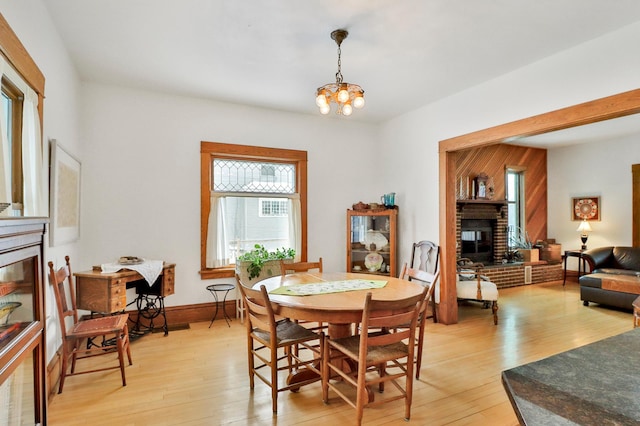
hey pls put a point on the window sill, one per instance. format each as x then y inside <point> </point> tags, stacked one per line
<point>207,274</point>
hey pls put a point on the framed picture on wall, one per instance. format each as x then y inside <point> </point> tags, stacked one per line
<point>585,208</point>
<point>64,199</point>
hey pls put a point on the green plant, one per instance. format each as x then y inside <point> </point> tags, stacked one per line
<point>518,238</point>
<point>259,255</point>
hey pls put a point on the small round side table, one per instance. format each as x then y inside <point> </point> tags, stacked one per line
<point>220,288</point>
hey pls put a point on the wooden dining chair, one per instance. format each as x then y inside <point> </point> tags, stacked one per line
<point>295,267</point>
<point>379,351</point>
<point>290,268</point>
<point>77,332</point>
<point>429,281</point>
<point>266,336</point>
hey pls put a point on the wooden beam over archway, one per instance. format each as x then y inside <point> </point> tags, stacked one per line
<point>620,105</point>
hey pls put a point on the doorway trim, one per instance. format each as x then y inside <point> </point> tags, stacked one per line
<point>619,105</point>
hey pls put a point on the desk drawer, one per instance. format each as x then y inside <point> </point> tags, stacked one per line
<point>168,284</point>
<point>117,296</point>
<point>93,295</point>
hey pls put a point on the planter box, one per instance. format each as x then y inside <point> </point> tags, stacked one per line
<point>269,269</point>
<point>530,255</point>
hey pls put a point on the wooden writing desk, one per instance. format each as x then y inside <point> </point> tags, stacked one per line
<point>107,293</point>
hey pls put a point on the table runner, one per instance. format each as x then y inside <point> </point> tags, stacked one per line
<point>326,287</point>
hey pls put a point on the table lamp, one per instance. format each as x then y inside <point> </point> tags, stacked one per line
<point>584,230</point>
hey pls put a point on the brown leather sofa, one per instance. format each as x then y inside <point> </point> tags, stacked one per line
<point>604,261</point>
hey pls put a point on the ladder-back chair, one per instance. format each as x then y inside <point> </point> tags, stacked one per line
<point>74,334</point>
<point>429,281</point>
<point>377,351</point>
<point>266,336</point>
<point>292,268</point>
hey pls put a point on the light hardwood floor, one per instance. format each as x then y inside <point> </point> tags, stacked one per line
<point>199,376</point>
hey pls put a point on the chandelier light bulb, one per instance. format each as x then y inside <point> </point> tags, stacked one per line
<point>358,102</point>
<point>324,109</point>
<point>347,109</point>
<point>343,94</point>
<point>321,99</point>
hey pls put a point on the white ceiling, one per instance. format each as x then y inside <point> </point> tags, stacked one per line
<point>274,54</point>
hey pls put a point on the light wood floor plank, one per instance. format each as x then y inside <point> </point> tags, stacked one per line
<point>199,376</point>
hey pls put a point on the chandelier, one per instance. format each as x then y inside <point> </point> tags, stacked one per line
<point>345,95</point>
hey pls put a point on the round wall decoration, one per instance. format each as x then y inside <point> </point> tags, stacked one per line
<point>586,208</point>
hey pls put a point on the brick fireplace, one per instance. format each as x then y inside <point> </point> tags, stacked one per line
<point>481,213</point>
<point>481,230</point>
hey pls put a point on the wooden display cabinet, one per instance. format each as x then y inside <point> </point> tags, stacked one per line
<point>22,319</point>
<point>371,241</point>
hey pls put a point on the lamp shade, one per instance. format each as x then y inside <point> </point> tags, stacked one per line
<point>584,227</point>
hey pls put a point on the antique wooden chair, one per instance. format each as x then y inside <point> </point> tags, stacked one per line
<point>290,268</point>
<point>266,336</point>
<point>74,335</point>
<point>375,351</point>
<point>472,286</point>
<point>429,281</point>
<point>425,256</point>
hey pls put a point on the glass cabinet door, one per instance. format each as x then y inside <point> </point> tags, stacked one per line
<point>17,293</point>
<point>371,245</point>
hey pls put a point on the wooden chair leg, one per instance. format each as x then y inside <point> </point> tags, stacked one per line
<point>127,343</point>
<point>434,311</point>
<point>494,309</point>
<point>409,396</point>
<point>274,379</point>
<point>63,371</point>
<point>251,363</point>
<point>419,351</point>
<point>120,344</point>
<point>326,372</point>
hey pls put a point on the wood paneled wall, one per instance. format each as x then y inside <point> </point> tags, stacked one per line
<point>494,160</point>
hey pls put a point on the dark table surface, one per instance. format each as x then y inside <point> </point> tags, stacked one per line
<point>596,384</point>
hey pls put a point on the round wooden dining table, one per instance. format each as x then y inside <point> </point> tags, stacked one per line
<point>339,310</point>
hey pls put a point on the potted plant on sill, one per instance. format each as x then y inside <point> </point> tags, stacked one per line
<point>259,263</point>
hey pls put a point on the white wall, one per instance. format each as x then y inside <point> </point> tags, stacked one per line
<point>599,169</point>
<point>599,68</point>
<point>141,175</point>
<point>140,151</point>
<point>29,19</point>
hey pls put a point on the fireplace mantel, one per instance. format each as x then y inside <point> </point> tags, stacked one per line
<point>497,203</point>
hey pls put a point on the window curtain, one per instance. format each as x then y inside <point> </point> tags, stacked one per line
<point>34,184</point>
<point>5,153</point>
<point>217,240</point>
<point>295,226</point>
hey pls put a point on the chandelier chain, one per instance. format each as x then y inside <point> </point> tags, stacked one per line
<point>339,73</point>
